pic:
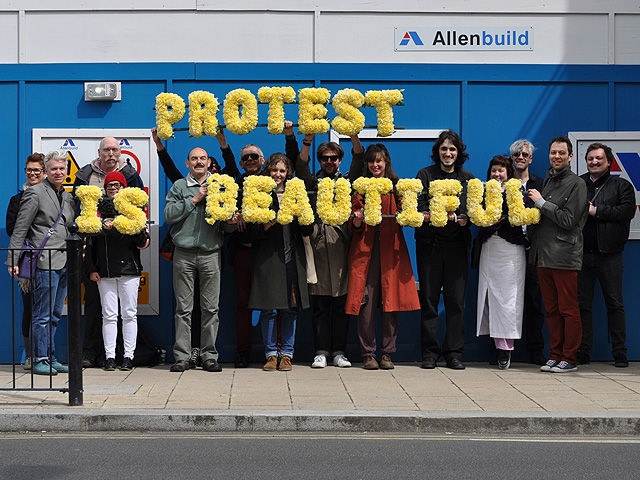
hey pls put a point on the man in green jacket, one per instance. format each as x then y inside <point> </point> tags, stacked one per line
<point>198,247</point>
<point>557,251</point>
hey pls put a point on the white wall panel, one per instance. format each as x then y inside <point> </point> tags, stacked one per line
<point>557,38</point>
<point>342,31</point>
<point>168,37</point>
<point>9,37</point>
<point>627,39</point>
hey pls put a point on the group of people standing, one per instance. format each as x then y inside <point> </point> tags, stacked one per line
<point>339,270</point>
<point>355,268</point>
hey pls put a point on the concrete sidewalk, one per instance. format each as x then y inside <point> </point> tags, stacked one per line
<point>599,399</point>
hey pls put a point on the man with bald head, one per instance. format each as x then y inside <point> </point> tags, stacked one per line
<point>198,247</point>
<point>94,174</point>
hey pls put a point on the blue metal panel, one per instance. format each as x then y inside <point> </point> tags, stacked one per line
<point>490,105</point>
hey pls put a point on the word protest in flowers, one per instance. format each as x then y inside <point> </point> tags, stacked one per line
<point>129,202</point>
<point>240,110</point>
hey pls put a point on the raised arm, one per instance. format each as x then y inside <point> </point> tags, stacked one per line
<point>168,166</point>
<point>230,166</point>
<point>357,161</point>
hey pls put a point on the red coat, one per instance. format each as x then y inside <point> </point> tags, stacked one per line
<point>399,292</point>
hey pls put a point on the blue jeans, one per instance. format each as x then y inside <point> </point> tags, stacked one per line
<point>270,332</point>
<point>51,286</point>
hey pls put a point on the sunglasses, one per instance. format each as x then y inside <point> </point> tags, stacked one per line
<point>325,158</point>
<point>524,155</point>
<point>249,156</point>
<point>37,171</point>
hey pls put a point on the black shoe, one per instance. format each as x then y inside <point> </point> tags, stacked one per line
<point>583,358</point>
<point>620,360</point>
<point>211,365</point>
<point>504,358</point>
<point>110,365</point>
<point>428,363</point>
<point>537,358</point>
<point>87,362</point>
<point>242,360</point>
<point>455,364</point>
<point>99,362</point>
<point>180,366</point>
<point>127,364</point>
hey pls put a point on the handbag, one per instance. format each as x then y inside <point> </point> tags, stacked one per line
<point>28,258</point>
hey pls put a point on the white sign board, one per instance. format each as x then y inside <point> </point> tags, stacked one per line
<point>463,38</point>
<point>626,164</point>
<point>138,149</point>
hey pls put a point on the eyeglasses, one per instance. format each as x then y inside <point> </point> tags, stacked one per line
<point>525,155</point>
<point>247,156</point>
<point>111,149</point>
<point>37,171</point>
<point>325,158</point>
<point>113,186</point>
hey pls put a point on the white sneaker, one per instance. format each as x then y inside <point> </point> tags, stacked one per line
<point>341,361</point>
<point>319,361</point>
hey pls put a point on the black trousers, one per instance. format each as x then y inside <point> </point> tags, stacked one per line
<point>533,316</point>
<point>330,324</point>
<point>607,269</point>
<point>92,346</point>
<point>442,269</point>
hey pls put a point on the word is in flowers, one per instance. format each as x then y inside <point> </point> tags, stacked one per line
<point>128,202</point>
<point>240,110</point>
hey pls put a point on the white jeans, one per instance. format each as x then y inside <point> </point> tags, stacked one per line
<point>126,289</point>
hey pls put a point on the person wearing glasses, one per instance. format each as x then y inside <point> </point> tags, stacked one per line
<point>330,245</point>
<point>35,174</point>
<point>522,155</point>
<point>42,207</point>
<point>112,260</point>
<point>94,174</point>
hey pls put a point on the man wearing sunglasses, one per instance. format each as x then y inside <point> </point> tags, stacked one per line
<point>521,156</point>
<point>330,245</point>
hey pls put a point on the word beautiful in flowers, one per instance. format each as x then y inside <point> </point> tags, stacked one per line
<point>240,110</point>
<point>445,198</point>
<point>333,203</point>
<point>128,202</point>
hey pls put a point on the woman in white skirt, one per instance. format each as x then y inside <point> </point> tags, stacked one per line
<point>502,273</point>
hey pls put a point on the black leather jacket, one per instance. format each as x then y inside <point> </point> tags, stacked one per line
<point>615,202</point>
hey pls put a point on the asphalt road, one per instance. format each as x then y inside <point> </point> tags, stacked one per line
<point>123,456</point>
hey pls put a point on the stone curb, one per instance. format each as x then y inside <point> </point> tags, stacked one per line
<point>524,423</point>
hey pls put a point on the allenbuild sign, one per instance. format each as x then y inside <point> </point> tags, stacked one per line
<point>463,38</point>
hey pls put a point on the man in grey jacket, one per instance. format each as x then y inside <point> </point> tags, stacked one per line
<point>40,207</point>
<point>557,251</point>
<point>198,247</point>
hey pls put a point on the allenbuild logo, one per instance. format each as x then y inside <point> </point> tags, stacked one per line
<point>463,38</point>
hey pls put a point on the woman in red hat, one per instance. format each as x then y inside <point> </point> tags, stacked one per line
<point>113,260</point>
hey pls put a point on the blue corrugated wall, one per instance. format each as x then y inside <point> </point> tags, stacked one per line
<point>490,105</point>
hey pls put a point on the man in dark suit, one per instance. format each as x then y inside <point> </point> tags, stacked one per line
<point>39,209</point>
<point>522,155</point>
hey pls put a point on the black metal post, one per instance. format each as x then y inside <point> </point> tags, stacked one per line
<point>74,315</point>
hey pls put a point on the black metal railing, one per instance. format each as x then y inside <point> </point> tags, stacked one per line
<point>74,321</point>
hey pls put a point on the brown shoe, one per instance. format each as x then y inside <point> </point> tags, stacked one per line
<point>385,362</point>
<point>370,363</point>
<point>285,364</point>
<point>271,365</point>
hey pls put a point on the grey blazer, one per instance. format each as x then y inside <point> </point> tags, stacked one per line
<point>39,209</point>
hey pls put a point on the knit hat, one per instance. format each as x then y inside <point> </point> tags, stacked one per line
<point>115,177</point>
